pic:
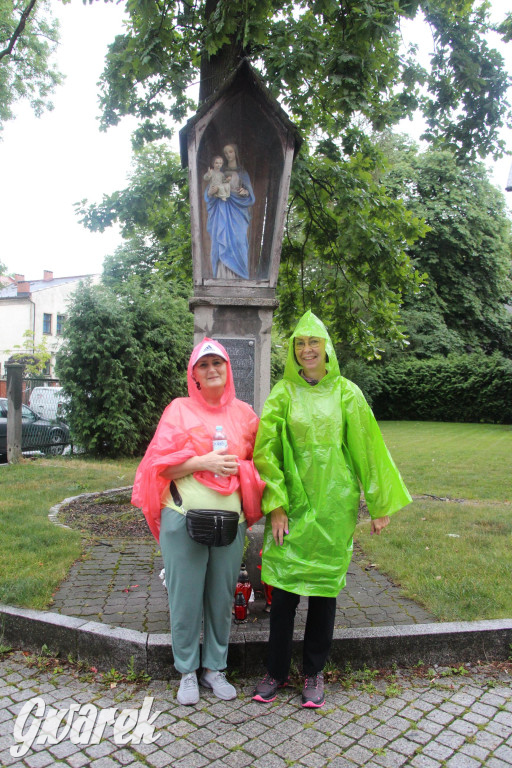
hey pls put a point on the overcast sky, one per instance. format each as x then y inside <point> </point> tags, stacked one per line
<point>49,163</point>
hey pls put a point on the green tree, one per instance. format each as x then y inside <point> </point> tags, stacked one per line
<point>505,28</point>
<point>339,70</point>
<point>321,267</point>
<point>345,250</point>
<point>153,212</point>
<point>34,357</point>
<point>124,357</point>
<point>328,61</point>
<point>28,38</point>
<point>467,252</point>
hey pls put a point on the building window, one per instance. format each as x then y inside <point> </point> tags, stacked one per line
<point>47,323</point>
<point>60,324</point>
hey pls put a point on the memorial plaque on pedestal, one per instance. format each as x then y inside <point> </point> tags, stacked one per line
<point>241,354</point>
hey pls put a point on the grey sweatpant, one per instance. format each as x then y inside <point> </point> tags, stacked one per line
<point>201,584</point>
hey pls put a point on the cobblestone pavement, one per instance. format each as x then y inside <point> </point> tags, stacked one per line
<point>396,719</point>
<point>118,584</point>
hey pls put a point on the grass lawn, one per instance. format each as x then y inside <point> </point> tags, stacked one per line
<point>469,461</point>
<point>453,557</point>
<point>35,555</point>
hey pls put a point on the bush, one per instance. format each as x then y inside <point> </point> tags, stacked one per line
<point>365,376</point>
<point>124,358</point>
<point>278,355</point>
<point>463,388</point>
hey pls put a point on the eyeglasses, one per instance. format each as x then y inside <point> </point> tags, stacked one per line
<point>312,342</point>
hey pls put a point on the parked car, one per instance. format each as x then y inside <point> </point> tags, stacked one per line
<point>49,402</point>
<point>37,434</point>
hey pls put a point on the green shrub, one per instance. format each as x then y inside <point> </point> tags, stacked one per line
<point>365,376</point>
<point>464,388</point>
<point>278,354</point>
<point>124,358</point>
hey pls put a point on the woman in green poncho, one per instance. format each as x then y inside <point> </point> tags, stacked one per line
<point>317,440</point>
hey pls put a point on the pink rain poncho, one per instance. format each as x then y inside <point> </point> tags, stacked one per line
<point>186,429</point>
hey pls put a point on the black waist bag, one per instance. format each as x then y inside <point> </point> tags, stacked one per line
<point>213,527</point>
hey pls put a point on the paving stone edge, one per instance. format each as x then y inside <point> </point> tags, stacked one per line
<point>107,646</point>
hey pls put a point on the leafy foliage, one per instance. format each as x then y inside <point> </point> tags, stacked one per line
<point>344,253</point>
<point>466,253</point>
<point>466,101</point>
<point>365,376</point>
<point>328,61</point>
<point>344,212</point>
<point>34,357</point>
<point>124,358</point>
<point>154,215</point>
<point>339,70</point>
<point>277,359</point>
<point>28,38</point>
<point>472,388</point>
<point>336,67</point>
<point>458,323</point>
<point>505,28</point>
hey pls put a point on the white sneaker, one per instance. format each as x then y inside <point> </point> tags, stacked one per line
<point>188,692</point>
<point>219,685</point>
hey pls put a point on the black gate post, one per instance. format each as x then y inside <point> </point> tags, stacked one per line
<point>14,411</point>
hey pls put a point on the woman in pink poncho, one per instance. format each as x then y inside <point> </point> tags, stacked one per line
<point>180,471</point>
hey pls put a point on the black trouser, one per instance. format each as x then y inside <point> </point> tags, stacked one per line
<point>317,636</point>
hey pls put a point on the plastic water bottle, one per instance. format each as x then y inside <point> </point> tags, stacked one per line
<point>220,441</point>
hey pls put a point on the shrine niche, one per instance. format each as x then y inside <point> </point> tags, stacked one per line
<point>239,148</point>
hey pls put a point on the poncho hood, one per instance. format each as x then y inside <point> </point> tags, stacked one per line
<point>310,325</point>
<point>209,347</point>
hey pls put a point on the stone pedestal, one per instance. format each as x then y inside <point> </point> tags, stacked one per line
<point>243,326</point>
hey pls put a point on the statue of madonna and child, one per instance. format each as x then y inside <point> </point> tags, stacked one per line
<point>229,199</point>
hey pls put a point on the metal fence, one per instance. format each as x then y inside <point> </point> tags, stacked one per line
<point>27,385</point>
<point>43,427</point>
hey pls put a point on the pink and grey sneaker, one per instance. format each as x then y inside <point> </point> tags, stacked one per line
<point>267,688</point>
<point>313,692</point>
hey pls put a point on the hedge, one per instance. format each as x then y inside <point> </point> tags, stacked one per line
<point>463,388</point>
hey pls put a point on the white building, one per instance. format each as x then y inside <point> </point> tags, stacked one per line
<point>38,306</point>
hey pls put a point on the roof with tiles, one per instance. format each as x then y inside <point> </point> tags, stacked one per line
<point>11,291</point>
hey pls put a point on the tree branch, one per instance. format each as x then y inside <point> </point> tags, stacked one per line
<point>19,29</point>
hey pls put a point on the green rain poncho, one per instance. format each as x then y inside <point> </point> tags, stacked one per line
<point>314,445</point>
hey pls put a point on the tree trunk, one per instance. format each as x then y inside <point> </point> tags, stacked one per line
<point>217,68</point>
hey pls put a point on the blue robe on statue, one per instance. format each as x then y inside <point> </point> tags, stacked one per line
<point>228,222</point>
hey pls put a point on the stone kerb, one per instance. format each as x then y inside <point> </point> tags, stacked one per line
<point>53,514</point>
<point>107,647</point>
